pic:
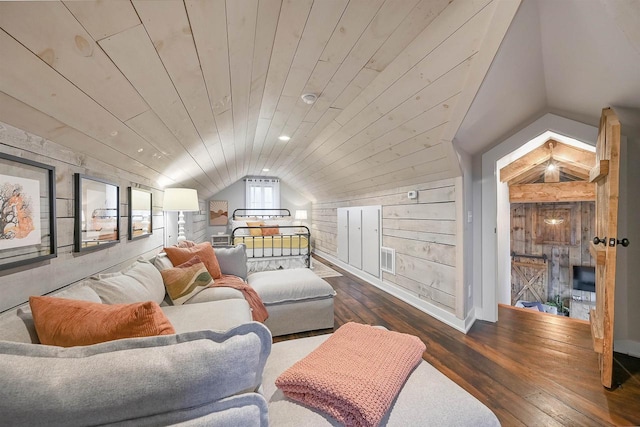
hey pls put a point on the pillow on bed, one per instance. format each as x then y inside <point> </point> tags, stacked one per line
<point>271,231</point>
<point>255,231</point>
<point>287,223</point>
<point>240,232</point>
<point>245,218</point>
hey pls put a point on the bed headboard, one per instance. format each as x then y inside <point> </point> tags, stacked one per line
<point>262,213</point>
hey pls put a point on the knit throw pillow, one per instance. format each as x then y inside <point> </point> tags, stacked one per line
<point>68,323</point>
<point>186,280</point>
<point>203,250</point>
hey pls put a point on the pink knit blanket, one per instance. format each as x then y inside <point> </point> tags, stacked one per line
<point>355,375</point>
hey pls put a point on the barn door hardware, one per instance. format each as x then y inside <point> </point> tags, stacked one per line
<point>612,241</point>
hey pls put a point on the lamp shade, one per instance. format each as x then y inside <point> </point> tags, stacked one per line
<point>180,199</point>
<point>301,214</point>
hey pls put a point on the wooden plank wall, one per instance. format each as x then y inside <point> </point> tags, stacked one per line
<point>422,231</point>
<point>199,222</point>
<point>561,257</point>
<point>16,285</point>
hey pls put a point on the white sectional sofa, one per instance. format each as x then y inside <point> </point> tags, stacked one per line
<point>206,374</point>
<point>219,368</point>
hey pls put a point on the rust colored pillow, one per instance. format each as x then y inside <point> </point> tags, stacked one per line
<point>203,250</point>
<point>254,231</point>
<point>270,231</point>
<point>68,323</point>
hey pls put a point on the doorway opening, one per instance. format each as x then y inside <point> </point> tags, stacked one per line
<point>548,210</point>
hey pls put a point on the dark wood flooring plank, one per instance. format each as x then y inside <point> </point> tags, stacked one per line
<point>529,368</point>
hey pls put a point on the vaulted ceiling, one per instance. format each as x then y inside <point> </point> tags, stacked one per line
<point>196,93</point>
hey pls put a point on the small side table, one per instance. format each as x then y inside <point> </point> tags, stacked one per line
<point>220,240</point>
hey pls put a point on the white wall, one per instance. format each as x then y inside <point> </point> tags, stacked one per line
<point>627,332</point>
<point>235,195</point>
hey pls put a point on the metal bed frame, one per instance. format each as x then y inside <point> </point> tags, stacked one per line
<point>269,242</point>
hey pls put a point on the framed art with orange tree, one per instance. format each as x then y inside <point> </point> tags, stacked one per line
<point>27,212</point>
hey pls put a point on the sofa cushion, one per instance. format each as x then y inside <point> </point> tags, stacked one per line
<point>139,282</point>
<point>129,379</point>
<point>296,284</point>
<point>216,294</point>
<point>186,280</point>
<point>67,323</point>
<point>232,260</point>
<point>203,250</point>
<point>81,292</point>
<point>215,315</point>
<point>162,261</point>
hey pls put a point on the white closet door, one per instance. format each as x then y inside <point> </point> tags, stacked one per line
<point>371,240</point>
<point>355,237</point>
<point>343,235</point>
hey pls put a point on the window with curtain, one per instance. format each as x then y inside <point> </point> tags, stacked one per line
<point>262,193</point>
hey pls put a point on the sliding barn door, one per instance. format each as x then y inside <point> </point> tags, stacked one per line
<point>529,281</point>
<point>605,174</point>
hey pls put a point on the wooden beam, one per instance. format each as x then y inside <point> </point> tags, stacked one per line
<point>528,177</point>
<point>574,191</point>
<point>580,173</point>
<point>574,156</point>
<point>525,163</point>
<point>599,171</point>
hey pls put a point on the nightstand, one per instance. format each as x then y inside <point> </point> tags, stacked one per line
<point>220,240</point>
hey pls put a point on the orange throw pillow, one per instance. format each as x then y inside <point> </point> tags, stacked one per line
<point>67,322</point>
<point>203,250</point>
<point>271,231</point>
<point>255,231</point>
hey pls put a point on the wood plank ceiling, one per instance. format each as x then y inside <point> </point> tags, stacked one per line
<point>196,93</point>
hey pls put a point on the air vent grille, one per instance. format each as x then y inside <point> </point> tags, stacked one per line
<point>388,260</point>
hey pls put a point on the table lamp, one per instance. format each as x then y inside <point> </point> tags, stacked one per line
<point>181,200</point>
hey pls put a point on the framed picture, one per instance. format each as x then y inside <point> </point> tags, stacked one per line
<point>140,213</point>
<point>27,211</point>
<point>97,213</point>
<point>218,212</point>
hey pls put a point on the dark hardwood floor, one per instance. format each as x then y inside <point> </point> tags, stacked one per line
<point>530,369</point>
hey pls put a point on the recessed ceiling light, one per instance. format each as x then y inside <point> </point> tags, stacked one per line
<point>140,150</point>
<point>114,133</point>
<point>284,138</point>
<point>265,170</point>
<point>309,98</point>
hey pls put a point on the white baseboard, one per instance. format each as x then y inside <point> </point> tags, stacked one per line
<point>462,325</point>
<point>632,348</point>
